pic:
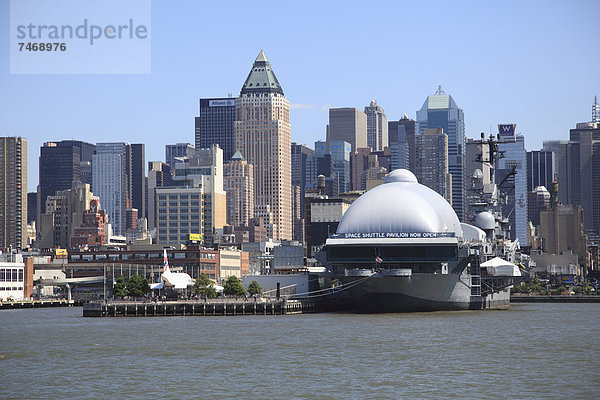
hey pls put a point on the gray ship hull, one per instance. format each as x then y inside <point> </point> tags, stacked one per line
<point>419,292</point>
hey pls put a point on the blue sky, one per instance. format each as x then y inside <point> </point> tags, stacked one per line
<point>532,63</point>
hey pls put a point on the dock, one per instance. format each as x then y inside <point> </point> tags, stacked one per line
<point>225,307</point>
<point>15,304</point>
<point>554,299</point>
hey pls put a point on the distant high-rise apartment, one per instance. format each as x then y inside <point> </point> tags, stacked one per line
<point>515,159</point>
<point>579,180</point>
<point>348,124</point>
<point>441,111</point>
<point>159,175</point>
<point>138,178</point>
<point>65,211</point>
<point>359,163</point>
<point>263,136</point>
<point>554,146</point>
<point>215,125</point>
<point>401,139</point>
<point>31,207</point>
<point>200,174</point>
<point>538,200</point>
<point>92,231</point>
<point>432,162</point>
<point>61,164</point>
<point>377,127</point>
<point>86,151</point>
<point>340,160</point>
<point>177,150</point>
<point>111,181</point>
<point>319,163</point>
<point>300,154</point>
<point>59,168</point>
<point>13,192</point>
<point>540,169</point>
<point>238,181</point>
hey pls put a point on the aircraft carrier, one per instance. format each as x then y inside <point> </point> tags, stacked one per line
<point>400,248</point>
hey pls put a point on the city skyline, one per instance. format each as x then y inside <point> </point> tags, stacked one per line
<point>503,63</point>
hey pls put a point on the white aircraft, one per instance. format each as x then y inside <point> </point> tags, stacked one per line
<point>175,280</point>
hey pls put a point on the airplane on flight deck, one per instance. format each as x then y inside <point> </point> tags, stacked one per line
<point>174,280</point>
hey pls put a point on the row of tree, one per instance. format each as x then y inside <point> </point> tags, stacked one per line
<point>137,286</point>
<point>232,287</point>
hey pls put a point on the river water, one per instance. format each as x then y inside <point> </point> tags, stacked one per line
<point>530,351</point>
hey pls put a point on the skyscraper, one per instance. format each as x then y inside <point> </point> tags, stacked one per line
<point>111,181</point>
<point>238,182</point>
<point>59,168</point>
<point>579,180</point>
<point>65,210</point>
<point>138,178</point>
<point>377,127</point>
<point>540,169</point>
<point>441,111</point>
<point>554,146</point>
<point>359,163</point>
<point>431,167</point>
<point>86,151</point>
<point>13,192</point>
<point>263,136</point>
<point>215,125</point>
<point>319,163</point>
<point>340,160</point>
<point>515,158</point>
<point>198,203</point>
<point>300,154</point>
<point>177,150</point>
<point>401,139</point>
<point>61,164</point>
<point>348,124</point>
<point>159,175</point>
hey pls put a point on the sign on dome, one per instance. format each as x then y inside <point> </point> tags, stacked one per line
<point>391,235</point>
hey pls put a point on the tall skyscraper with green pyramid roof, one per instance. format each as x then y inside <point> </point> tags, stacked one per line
<point>263,136</point>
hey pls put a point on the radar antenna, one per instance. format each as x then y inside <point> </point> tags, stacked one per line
<point>493,153</point>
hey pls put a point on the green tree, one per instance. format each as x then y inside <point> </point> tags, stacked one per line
<point>120,287</point>
<point>535,286</point>
<point>233,287</point>
<point>586,287</point>
<point>205,287</point>
<point>254,288</point>
<point>137,286</point>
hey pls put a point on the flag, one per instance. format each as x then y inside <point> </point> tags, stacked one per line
<point>378,260</point>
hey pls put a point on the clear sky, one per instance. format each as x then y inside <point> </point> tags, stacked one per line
<point>533,63</point>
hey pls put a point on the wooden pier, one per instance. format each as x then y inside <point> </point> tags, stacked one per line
<point>197,308</point>
<point>15,304</point>
<point>517,298</point>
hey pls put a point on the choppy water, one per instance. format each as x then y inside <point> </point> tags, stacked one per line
<point>531,351</point>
